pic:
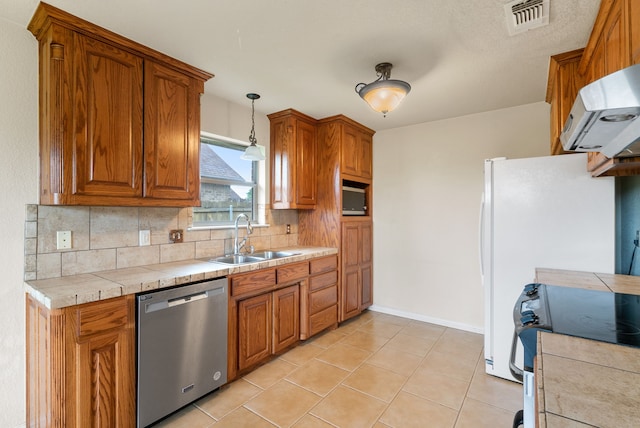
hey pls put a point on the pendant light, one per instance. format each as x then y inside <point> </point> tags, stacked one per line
<point>383,94</point>
<point>253,152</point>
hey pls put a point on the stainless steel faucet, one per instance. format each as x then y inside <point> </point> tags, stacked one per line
<point>238,246</point>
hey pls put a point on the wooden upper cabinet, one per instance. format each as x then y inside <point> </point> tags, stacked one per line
<point>614,44</point>
<point>562,88</point>
<point>293,160</point>
<point>355,157</point>
<point>119,122</point>
<point>609,47</point>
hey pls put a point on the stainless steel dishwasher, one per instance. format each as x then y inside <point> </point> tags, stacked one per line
<point>182,346</point>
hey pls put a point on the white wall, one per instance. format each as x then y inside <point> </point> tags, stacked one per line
<point>18,186</point>
<point>426,198</point>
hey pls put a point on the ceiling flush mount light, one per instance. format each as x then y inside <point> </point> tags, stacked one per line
<point>383,94</point>
<point>253,152</point>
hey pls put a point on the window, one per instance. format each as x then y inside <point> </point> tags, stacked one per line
<point>228,184</point>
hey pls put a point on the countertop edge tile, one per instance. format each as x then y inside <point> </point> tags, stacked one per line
<point>55,293</point>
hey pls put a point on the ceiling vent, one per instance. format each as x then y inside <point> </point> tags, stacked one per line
<point>523,15</point>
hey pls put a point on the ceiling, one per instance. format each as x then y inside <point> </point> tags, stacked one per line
<point>309,55</point>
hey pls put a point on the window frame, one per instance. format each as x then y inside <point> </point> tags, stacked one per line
<point>256,184</point>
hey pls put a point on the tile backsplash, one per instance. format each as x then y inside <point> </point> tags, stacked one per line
<point>106,238</point>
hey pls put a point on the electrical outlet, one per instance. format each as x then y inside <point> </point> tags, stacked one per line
<point>176,235</point>
<point>288,229</point>
<point>145,237</point>
<point>63,239</point>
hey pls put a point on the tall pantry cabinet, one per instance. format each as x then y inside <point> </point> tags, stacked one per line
<point>343,157</point>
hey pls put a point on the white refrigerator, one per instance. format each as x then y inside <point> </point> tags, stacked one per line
<point>543,212</point>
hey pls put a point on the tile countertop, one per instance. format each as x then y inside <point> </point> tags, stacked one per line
<point>583,382</point>
<point>77,289</point>
<point>590,280</point>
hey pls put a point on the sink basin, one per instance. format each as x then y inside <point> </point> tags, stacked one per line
<point>237,259</point>
<point>268,255</point>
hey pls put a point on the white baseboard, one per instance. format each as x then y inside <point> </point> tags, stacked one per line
<point>424,318</point>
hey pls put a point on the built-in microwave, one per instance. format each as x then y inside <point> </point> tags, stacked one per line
<point>354,201</point>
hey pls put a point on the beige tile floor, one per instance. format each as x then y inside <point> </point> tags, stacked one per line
<point>375,371</point>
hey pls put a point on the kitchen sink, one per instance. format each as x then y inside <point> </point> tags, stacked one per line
<point>237,259</point>
<point>268,255</point>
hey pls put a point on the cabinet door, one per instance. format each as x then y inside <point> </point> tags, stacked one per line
<point>366,263</point>
<point>293,160</point>
<point>282,148</point>
<point>350,152</point>
<point>172,134</point>
<point>356,159</point>
<point>254,330</point>
<point>107,124</point>
<point>366,295</point>
<point>634,28</point>
<point>105,395</point>
<point>286,317</point>
<point>350,295</point>
<point>615,38</point>
<point>563,86</point>
<point>365,162</point>
<point>305,168</point>
<point>101,351</point>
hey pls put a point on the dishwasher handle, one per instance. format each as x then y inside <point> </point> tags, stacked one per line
<point>187,299</point>
<point>177,301</point>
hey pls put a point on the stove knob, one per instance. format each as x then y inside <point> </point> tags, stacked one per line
<point>531,289</point>
<point>529,319</point>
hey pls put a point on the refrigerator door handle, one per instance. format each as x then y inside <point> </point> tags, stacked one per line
<point>516,371</point>
<point>481,238</point>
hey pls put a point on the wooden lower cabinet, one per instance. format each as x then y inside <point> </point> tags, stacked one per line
<point>272,309</point>
<point>81,364</point>
<point>319,297</point>
<point>267,324</point>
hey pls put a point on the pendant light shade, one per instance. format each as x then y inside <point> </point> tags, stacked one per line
<point>253,152</point>
<point>383,94</point>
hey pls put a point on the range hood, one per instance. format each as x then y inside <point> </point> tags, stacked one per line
<point>604,117</point>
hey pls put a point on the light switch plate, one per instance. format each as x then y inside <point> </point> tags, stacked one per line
<point>63,239</point>
<point>145,237</point>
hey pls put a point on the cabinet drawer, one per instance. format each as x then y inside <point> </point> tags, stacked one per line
<point>323,280</point>
<point>292,272</point>
<point>324,264</point>
<point>322,320</point>
<point>322,299</point>
<point>253,281</point>
<point>98,317</point>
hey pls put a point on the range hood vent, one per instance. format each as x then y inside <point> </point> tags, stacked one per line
<point>604,116</point>
<point>523,15</point>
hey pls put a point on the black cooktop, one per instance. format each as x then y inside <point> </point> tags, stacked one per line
<point>599,315</point>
